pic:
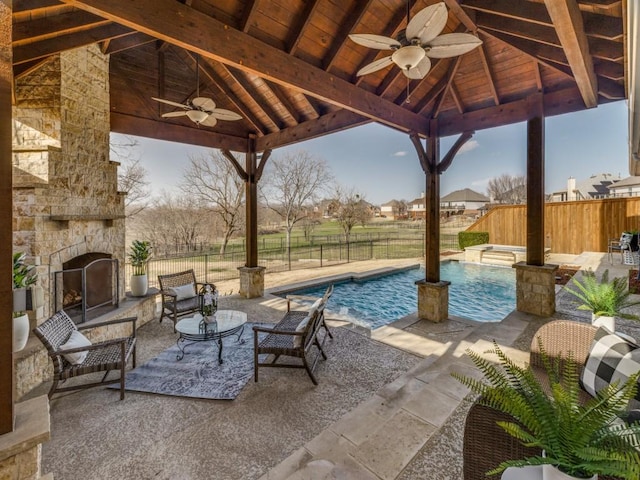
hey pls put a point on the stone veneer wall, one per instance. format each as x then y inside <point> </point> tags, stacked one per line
<point>66,201</point>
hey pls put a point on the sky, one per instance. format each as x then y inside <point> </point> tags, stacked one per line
<point>382,164</point>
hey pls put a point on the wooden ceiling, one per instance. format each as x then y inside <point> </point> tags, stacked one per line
<point>289,68</point>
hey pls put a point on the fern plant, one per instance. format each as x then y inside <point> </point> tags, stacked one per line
<point>581,440</point>
<point>603,297</point>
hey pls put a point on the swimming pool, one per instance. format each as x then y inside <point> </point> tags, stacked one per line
<point>477,292</point>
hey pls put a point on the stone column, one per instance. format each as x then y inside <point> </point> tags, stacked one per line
<point>433,300</point>
<point>251,282</point>
<point>536,288</point>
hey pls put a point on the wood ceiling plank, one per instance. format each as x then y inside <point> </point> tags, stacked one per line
<point>213,39</point>
<point>518,28</point>
<point>282,97</point>
<point>331,122</point>
<point>20,6</point>
<point>173,132</point>
<point>611,70</point>
<point>450,75</point>
<point>487,70</point>
<point>44,48</point>
<point>567,19</point>
<point>463,16</point>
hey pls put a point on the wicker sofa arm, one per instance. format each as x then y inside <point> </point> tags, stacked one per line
<point>116,321</point>
<point>276,331</point>
<point>93,346</point>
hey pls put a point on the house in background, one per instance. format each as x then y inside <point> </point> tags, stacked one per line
<point>417,207</point>
<point>628,187</point>
<point>394,209</point>
<point>463,201</point>
<point>596,186</point>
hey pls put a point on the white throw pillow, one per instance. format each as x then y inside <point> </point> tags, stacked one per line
<point>297,340</point>
<point>76,339</point>
<point>184,291</point>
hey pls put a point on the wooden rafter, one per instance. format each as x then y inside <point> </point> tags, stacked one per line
<point>567,19</point>
<point>353,19</point>
<point>51,27</point>
<point>455,95</point>
<point>489,75</point>
<point>453,68</point>
<point>463,16</point>
<point>518,28</point>
<point>33,5</point>
<point>298,30</point>
<point>121,44</point>
<point>26,68</point>
<point>44,48</point>
<point>282,97</point>
<point>250,10</point>
<point>213,39</point>
<point>436,90</point>
<point>536,72</point>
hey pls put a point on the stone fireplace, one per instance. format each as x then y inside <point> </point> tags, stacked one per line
<point>68,212</point>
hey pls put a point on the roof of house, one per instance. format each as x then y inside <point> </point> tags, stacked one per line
<point>596,185</point>
<point>465,195</point>
<point>626,182</point>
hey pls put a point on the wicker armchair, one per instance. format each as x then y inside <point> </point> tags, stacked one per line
<point>102,356</point>
<point>485,444</point>
<point>172,306</point>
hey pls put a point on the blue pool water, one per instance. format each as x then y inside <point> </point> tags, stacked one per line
<point>477,292</point>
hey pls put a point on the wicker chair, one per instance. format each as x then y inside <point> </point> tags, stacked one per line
<point>288,340</point>
<point>102,356</point>
<point>172,307</point>
<point>485,444</point>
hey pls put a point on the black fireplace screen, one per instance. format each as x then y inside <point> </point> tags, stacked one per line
<point>87,283</point>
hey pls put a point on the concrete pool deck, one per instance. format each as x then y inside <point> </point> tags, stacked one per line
<point>386,406</point>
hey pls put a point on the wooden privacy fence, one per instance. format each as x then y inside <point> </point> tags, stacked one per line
<point>570,227</point>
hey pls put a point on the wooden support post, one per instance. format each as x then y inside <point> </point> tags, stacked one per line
<point>251,201</point>
<point>6,230</point>
<point>432,213</point>
<point>535,189</point>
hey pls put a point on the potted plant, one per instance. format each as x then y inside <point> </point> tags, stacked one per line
<point>24,276</point>
<point>577,440</point>
<point>606,299</point>
<point>139,255</point>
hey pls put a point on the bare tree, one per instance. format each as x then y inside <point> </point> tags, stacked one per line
<point>292,183</point>
<point>132,176</point>
<point>215,184</point>
<point>352,210</point>
<point>509,189</point>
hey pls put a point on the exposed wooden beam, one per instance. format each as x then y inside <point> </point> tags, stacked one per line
<point>172,132</point>
<point>536,72</point>
<point>433,94</point>
<point>606,49</point>
<point>518,28</point>
<point>298,29</point>
<point>44,48</point>
<point>215,40</point>
<point>20,6</point>
<point>567,19</point>
<point>54,26</point>
<point>26,68</point>
<point>453,68</point>
<point>455,95</point>
<point>611,70</point>
<point>463,16</point>
<point>282,97</point>
<point>129,41</point>
<point>555,103</point>
<point>329,123</point>
<point>353,19</point>
<point>611,90</point>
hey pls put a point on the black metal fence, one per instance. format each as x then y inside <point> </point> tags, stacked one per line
<point>214,267</point>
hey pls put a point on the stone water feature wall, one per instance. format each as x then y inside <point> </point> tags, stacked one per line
<point>66,201</point>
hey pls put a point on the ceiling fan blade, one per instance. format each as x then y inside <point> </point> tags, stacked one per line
<point>210,121</point>
<point>204,103</point>
<point>428,23</point>
<point>169,102</point>
<point>375,66</point>
<point>419,71</point>
<point>451,45</point>
<point>174,114</point>
<point>375,41</point>
<point>223,114</point>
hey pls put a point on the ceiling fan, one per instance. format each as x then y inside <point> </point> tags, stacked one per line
<point>420,41</point>
<point>200,110</point>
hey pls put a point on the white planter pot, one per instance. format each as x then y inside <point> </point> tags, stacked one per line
<point>139,285</point>
<point>549,472</point>
<point>601,321</point>
<point>19,299</point>
<point>20,332</point>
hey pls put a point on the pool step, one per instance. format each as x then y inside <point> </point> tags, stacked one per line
<point>498,257</point>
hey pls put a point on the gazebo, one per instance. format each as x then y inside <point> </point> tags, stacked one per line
<point>290,70</point>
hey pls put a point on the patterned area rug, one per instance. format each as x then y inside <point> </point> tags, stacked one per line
<point>198,374</point>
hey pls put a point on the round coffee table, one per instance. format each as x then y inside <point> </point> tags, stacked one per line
<point>195,329</point>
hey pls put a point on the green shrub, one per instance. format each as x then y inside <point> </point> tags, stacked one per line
<point>469,239</point>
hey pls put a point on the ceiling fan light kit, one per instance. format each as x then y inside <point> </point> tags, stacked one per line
<point>197,116</point>
<point>420,41</point>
